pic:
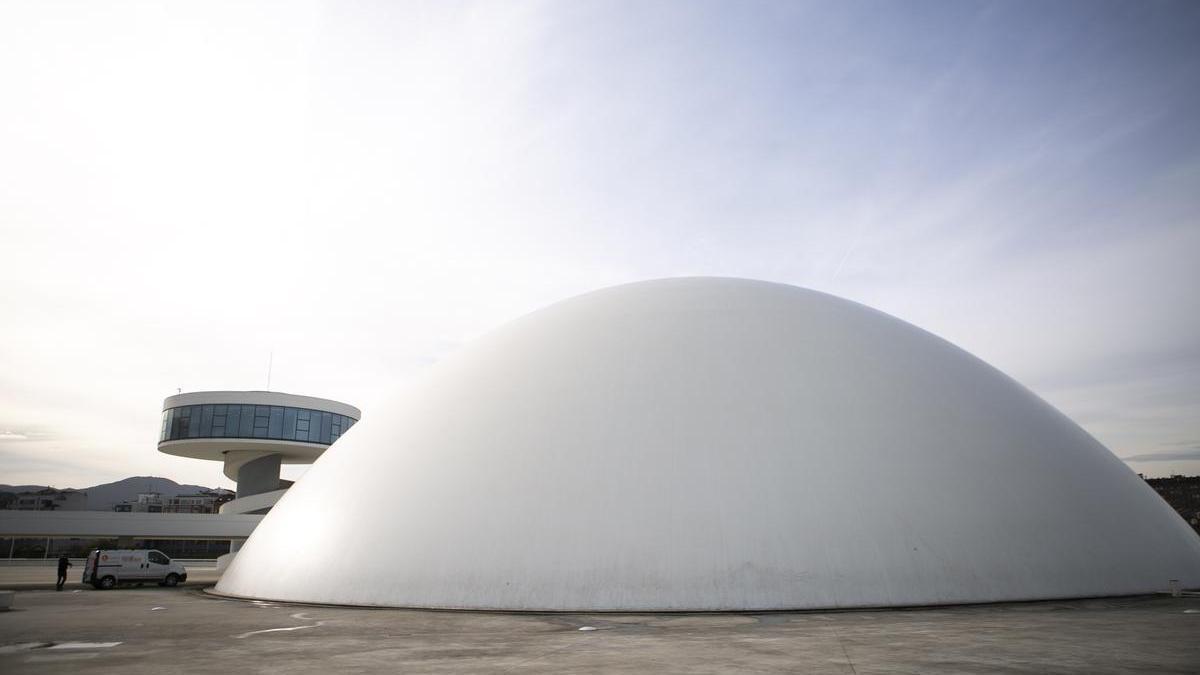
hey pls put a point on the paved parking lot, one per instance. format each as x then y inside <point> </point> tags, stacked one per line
<point>158,630</point>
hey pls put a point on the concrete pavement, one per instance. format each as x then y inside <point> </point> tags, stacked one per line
<point>157,630</point>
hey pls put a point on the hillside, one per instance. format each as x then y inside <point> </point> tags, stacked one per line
<point>102,497</point>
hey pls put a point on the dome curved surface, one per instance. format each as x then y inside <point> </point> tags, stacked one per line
<point>713,444</point>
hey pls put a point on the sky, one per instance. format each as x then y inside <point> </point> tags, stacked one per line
<point>350,191</point>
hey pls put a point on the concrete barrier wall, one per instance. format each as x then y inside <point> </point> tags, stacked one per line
<point>34,524</point>
<point>78,562</point>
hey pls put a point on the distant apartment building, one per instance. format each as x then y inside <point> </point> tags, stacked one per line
<point>146,502</point>
<point>50,499</point>
<point>208,501</point>
<point>1183,494</point>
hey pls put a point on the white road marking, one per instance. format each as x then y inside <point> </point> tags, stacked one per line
<point>587,628</point>
<point>275,630</point>
<point>84,645</point>
<point>155,609</point>
<point>299,616</point>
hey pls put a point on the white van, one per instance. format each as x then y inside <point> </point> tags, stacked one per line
<point>105,569</point>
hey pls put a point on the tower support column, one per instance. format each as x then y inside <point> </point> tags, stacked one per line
<point>259,475</point>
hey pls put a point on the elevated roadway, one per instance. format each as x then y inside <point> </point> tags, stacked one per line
<point>233,527</point>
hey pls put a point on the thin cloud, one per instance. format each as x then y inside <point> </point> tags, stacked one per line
<point>1171,456</point>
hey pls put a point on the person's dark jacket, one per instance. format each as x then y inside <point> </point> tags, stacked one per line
<point>63,564</point>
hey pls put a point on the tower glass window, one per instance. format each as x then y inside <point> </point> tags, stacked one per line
<point>249,421</point>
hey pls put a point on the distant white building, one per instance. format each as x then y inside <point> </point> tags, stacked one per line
<point>200,502</point>
<point>146,502</point>
<point>208,501</point>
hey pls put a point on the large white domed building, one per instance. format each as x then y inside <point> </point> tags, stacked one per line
<point>713,444</point>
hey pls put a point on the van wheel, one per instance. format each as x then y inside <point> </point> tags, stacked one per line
<point>171,580</point>
<point>108,583</point>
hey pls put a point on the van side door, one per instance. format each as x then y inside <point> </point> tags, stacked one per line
<point>133,565</point>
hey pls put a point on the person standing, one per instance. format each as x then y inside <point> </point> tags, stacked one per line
<point>63,564</point>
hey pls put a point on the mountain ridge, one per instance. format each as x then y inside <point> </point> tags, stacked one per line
<point>102,497</point>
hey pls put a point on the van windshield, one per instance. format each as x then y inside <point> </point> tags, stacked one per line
<point>156,557</point>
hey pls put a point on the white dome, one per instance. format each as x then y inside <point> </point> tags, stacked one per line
<point>713,444</point>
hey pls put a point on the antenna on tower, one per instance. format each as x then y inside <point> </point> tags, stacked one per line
<point>270,362</point>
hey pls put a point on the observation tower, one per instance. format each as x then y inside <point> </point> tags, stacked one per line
<point>253,433</point>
